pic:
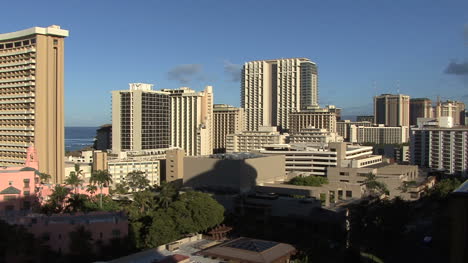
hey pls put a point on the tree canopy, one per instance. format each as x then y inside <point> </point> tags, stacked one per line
<point>309,180</point>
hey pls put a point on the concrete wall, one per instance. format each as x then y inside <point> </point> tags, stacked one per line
<point>235,175</point>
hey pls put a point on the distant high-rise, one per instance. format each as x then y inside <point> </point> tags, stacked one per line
<point>192,120</point>
<point>227,120</point>
<point>392,110</point>
<point>450,108</point>
<point>31,98</point>
<point>272,89</point>
<point>420,108</point>
<point>140,119</point>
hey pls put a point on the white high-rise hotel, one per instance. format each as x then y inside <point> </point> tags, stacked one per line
<point>271,89</point>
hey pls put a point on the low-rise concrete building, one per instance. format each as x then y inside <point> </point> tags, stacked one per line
<point>237,172</point>
<point>343,127</point>
<point>305,160</point>
<point>120,168</point>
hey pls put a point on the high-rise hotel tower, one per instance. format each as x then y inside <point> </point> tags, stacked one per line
<point>31,98</point>
<point>140,118</point>
<point>272,89</point>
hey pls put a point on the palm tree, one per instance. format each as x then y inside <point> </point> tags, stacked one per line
<point>44,177</point>
<point>76,203</point>
<point>57,198</point>
<point>375,187</point>
<point>101,178</point>
<point>167,193</point>
<point>143,200</point>
<point>74,180</point>
<point>91,189</point>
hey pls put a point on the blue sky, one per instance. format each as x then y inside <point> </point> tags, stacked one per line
<point>362,48</point>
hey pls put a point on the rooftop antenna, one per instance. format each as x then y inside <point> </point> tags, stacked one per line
<point>398,86</point>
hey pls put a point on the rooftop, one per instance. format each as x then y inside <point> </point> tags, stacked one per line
<point>53,30</point>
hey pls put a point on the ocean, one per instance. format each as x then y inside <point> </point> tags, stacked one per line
<point>77,138</point>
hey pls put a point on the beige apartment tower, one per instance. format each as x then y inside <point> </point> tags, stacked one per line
<point>420,108</point>
<point>227,120</point>
<point>140,119</point>
<point>191,120</point>
<point>31,98</point>
<point>272,89</point>
<point>450,108</point>
<point>392,110</point>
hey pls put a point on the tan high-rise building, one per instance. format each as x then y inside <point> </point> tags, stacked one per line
<point>227,120</point>
<point>450,108</point>
<point>31,98</point>
<point>392,110</point>
<point>192,120</point>
<point>321,118</point>
<point>140,119</point>
<point>272,89</point>
<point>420,108</point>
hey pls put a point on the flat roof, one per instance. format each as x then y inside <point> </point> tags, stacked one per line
<point>52,30</point>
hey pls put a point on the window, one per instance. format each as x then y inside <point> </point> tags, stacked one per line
<point>9,197</point>
<point>26,183</point>
<point>26,193</point>
<point>344,181</point>
<point>349,194</point>
<point>344,173</point>
<point>100,235</point>
<point>59,236</point>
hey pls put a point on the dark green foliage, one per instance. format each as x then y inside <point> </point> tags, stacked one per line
<point>159,218</point>
<point>375,187</point>
<point>309,180</point>
<point>101,178</point>
<point>444,187</point>
<point>137,181</point>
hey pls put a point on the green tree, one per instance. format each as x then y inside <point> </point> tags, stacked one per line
<point>375,187</point>
<point>162,230</point>
<point>144,200</point>
<point>167,194</point>
<point>44,177</point>
<point>309,180</point>
<point>91,189</point>
<point>137,181</point>
<point>444,187</point>
<point>57,198</point>
<point>74,179</point>
<point>77,203</point>
<point>101,178</point>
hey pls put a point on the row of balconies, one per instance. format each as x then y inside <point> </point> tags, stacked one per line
<point>18,51</point>
<point>17,68</point>
<point>18,63</point>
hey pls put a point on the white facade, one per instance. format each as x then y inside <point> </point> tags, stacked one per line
<point>379,134</point>
<point>444,149</point>
<point>248,141</point>
<point>307,160</point>
<point>192,120</point>
<point>272,89</point>
<point>120,168</point>
<point>314,135</point>
<point>227,120</point>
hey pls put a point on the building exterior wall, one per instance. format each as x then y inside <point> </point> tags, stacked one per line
<point>175,165</point>
<point>420,108</point>
<point>322,119</point>
<point>237,175</point>
<point>140,119</point>
<point>443,149</point>
<point>104,138</point>
<point>272,89</point>
<point>119,169</point>
<point>454,109</point>
<point>248,141</point>
<point>100,161</point>
<point>392,110</point>
<point>227,120</point>
<point>305,161</point>
<point>379,135</point>
<point>31,80</point>
<point>192,120</point>
<point>314,135</point>
<point>369,118</point>
<point>55,229</point>
<point>343,128</point>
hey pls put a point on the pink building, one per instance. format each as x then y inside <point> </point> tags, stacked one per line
<point>19,185</point>
<point>55,229</point>
<point>21,189</point>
